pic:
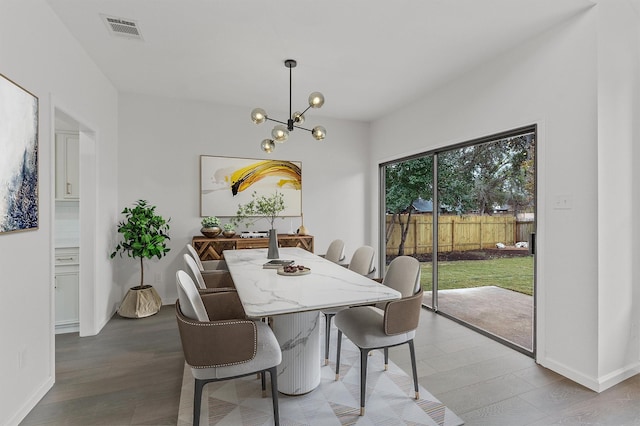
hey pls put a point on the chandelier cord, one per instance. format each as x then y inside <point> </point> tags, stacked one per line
<point>290,120</point>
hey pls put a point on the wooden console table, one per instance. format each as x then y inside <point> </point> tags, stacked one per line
<point>212,248</point>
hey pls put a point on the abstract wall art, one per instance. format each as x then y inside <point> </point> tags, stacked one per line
<point>226,182</point>
<point>18,158</point>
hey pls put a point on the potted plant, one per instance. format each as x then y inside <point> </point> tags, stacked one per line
<point>229,230</point>
<point>210,227</point>
<point>143,235</point>
<point>262,207</point>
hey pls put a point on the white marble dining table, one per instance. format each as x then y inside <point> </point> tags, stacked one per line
<point>294,303</point>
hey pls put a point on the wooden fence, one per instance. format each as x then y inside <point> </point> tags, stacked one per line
<point>524,230</point>
<point>458,233</point>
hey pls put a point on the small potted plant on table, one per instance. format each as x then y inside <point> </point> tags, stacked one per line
<point>263,207</point>
<point>229,230</point>
<point>210,227</point>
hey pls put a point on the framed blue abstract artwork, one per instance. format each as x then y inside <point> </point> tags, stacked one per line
<point>19,158</point>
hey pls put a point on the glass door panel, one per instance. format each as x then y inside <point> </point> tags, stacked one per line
<point>485,270</point>
<point>408,214</point>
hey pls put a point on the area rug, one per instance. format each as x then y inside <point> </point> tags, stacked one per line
<point>389,398</point>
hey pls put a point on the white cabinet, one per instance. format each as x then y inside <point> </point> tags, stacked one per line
<point>67,166</point>
<point>67,280</point>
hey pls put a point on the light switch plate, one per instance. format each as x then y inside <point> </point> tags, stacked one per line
<point>563,202</point>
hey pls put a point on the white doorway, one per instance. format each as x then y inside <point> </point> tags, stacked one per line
<point>74,217</point>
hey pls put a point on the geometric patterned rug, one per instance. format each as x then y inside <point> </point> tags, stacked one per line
<point>389,398</point>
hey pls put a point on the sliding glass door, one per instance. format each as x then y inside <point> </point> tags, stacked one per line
<point>408,194</point>
<point>468,214</point>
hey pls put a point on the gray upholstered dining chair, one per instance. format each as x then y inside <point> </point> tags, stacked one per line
<point>335,251</point>
<point>208,280</point>
<point>392,324</point>
<point>220,343</point>
<point>206,265</point>
<point>362,263</point>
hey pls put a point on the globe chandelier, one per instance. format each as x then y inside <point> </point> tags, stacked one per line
<point>280,132</point>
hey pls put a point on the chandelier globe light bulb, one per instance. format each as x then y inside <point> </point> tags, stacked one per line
<point>268,146</point>
<point>319,133</point>
<point>297,117</point>
<point>316,100</point>
<point>258,115</point>
<point>280,133</point>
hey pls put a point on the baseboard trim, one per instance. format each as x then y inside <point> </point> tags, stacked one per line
<point>618,376</point>
<point>67,328</point>
<point>31,402</point>
<point>568,372</point>
<point>596,384</point>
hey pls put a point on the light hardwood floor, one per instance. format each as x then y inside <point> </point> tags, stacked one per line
<point>131,373</point>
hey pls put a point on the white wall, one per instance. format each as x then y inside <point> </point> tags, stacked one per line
<point>160,144</point>
<point>618,112</point>
<point>635,189</point>
<point>550,81</point>
<point>38,53</point>
<point>579,83</point>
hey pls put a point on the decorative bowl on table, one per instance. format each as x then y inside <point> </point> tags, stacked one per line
<point>211,231</point>
<point>294,270</point>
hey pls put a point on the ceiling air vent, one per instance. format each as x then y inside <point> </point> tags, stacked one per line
<point>122,27</point>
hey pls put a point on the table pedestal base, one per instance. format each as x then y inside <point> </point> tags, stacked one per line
<point>299,338</point>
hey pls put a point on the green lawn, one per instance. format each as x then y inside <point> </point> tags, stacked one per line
<point>513,273</point>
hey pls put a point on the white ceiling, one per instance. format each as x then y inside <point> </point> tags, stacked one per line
<point>368,57</point>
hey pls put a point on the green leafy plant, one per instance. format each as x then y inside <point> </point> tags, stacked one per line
<point>260,207</point>
<point>143,234</point>
<point>210,221</point>
<point>229,227</point>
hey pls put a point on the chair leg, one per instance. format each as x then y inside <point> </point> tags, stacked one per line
<point>273,373</point>
<point>197,400</point>
<point>263,383</point>
<point>413,366</point>
<point>364,356</point>
<point>327,336</point>
<point>386,359</point>
<point>339,345</point>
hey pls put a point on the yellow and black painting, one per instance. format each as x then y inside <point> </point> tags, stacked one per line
<point>227,182</point>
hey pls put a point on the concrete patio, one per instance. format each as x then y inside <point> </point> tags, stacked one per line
<point>501,312</point>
